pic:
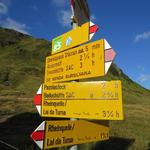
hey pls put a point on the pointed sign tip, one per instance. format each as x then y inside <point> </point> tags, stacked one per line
<point>37,135</point>
<point>107,45</point>
<point>114,53</point>
<point>38,141</point>
<point>97,27</point>
<point>32,135</point>
<point>39,90</point>
<point>107,66</point>
<point>91,23</point>
<point>109,55</point>
<point>94,28</point>
<point>37,99</point>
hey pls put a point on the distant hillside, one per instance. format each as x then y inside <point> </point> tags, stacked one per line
<point>22,60</point>
<point>22,64</point>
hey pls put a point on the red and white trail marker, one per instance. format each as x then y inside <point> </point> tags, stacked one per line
<point>93,29</point>
<point>38,135</point>
<point>109,55</point>
<point>52,134</point>
<point>38,99</point>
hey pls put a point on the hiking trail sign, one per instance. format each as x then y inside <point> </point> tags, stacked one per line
<point>52,134</point>
<point>73,58</point>
<point>90,60</point>
<point>74,37</point>
<point>100,100</point>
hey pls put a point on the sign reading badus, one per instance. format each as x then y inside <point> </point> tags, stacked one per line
<point>92,100</point>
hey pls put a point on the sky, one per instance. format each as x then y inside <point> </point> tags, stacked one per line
<point>125,24</point>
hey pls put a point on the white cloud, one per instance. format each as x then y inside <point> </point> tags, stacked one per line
<point>142,36</point>
<point>3,8</point>
<point>64,18</point>
<point>60,3</point>
<point>143,77</point>
<point>6,2</point>
<point>12,24</point>
<point>63,14</point>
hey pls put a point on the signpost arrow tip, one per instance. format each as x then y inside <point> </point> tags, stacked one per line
<point>38,135</point>
<point>93,29</point>
<point>109,55</point>
<point>38,99</point>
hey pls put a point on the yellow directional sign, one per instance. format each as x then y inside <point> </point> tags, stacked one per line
<point>74,37</point>
<point>51,134</point>
<point>82,62</point>
<point>92,100</point>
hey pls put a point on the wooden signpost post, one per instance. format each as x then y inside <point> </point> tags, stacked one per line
<point>80,11</point>
<point>100,100</point>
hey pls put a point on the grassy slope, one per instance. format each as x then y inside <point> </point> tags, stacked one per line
<point>22,63</point>
<point>136,122</point>
<point>136,106</point>
<point>21,73</point>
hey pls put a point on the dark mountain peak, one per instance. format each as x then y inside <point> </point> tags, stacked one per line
<point>10,37</point>
<point>12,32</point>
<point>116,71</point>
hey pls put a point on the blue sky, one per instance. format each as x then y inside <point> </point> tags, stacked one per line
<point>124,23</point>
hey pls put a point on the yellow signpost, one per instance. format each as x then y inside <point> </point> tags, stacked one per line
<point>74,37</point>
<point>91,100</point>
<point>51,134</point>
<point>81,62</point>
<point>100,100</point>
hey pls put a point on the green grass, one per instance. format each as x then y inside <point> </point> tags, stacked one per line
<point>22,60</point>
<point>12,105</point>
<point>135,125</point>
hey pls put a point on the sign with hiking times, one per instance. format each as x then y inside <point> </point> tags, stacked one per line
<point>91,100</point>
<point>87,61</point>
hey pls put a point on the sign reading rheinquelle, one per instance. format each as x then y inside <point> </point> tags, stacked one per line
<point>85,61</point>
<point>51,134</point>
<point>91,100</point>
